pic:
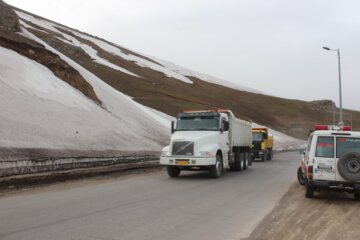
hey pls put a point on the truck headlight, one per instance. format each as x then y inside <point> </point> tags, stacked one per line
<point>205,154</point>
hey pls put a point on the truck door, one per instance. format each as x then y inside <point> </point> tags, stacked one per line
<point>324,160</point>
<point>225,141</point>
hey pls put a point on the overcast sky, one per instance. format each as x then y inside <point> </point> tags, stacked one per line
<point>274,46</point>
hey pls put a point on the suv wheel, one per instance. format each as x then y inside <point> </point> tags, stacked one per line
<point>300,176</point>
<point>349,166</point>
<point>309,192</point>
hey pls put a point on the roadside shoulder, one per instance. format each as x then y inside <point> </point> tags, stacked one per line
<point>328,216</point>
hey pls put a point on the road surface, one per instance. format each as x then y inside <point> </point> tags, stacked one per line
<point>151,206</point>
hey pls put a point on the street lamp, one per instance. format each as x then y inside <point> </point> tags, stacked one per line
<point>340,96</point>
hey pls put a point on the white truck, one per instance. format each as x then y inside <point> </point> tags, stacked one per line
<point>208,140</point>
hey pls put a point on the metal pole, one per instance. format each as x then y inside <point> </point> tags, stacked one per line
<point>340,96</point>
<point>333,112</point>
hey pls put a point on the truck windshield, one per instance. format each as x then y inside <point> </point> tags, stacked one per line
<point>257,136</point>
<point>346,144</point>
<point>198,123</point>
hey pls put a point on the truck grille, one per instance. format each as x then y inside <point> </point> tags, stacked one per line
<point>257,145</point>
<point>183,148</point>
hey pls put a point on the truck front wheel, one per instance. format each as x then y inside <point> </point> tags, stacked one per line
<point>173,171</point>
<point>270,154</point>
<point>217,169</point>
<point>265,156</point>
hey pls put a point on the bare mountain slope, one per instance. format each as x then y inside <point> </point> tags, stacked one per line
<point>169,88</point>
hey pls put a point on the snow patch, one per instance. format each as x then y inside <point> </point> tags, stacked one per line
<point>138,60</point>
<point>204,77</point>
<point>29,77</point>
<point>71,40</point>
<point>283,142</point>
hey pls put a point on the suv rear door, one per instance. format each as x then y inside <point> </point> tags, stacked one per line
<point>324,160</point>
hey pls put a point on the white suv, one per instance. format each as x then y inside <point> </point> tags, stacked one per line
<point>331,161</point>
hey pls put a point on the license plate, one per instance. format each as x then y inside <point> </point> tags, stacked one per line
<point>182,162</point>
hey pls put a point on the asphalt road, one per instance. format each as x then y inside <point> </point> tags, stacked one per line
<point>151,206</point>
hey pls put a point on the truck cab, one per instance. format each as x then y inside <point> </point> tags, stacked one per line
<point>262,144</point>
<point>331,160</point>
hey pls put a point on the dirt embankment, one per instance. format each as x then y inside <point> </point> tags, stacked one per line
<point>330,215</point>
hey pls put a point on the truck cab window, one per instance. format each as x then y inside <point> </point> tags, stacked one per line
<point>258,136</point>
<point>198,123</point>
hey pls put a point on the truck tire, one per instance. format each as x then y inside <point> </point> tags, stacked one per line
<point>270,154</point>
<point>357,196</point>
<point>173,171</point>
<point>250,158</point>
<point>237,166</point>
<point>242,162</point>
<point>217,169</point>
<point>349,166</point>
<point>301,177</point>
<point>246,161</point>
<point>264,157</point>
<point>309,192</point>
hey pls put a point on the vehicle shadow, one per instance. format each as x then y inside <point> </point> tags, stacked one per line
<point>333,196</point>
<point>191,175</point>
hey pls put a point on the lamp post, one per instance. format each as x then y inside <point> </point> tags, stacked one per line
<point>340,96</point>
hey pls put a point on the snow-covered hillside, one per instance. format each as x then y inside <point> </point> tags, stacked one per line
<point>42,111</point>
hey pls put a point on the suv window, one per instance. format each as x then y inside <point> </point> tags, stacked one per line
<point>325,147</point>
<point>346,144</point>
<point>309,144</point>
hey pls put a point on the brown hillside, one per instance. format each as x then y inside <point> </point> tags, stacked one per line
<point>171,96</point>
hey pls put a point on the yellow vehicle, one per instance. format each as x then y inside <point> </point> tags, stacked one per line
<point>262,144</point>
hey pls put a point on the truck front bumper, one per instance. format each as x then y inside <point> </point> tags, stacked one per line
<point>257,153</point>
<point>187,161</point>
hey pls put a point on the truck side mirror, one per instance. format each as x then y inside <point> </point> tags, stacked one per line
<point>172,127</point>
<point>302,151</point>
<point>265,135</point>
<point>226,126</point>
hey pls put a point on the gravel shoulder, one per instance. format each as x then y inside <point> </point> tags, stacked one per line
<point>330,215</point>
